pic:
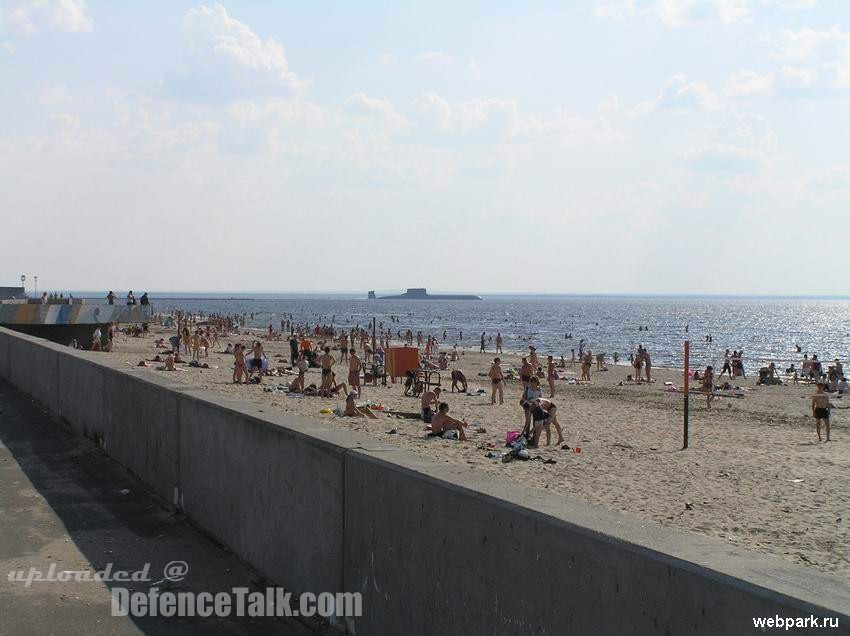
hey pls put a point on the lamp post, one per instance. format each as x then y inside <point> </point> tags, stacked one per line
<point>35,283</point>
<point>24,284</point>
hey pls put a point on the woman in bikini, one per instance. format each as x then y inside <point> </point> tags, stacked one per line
<point>238,364</point>
<point>545,414</point>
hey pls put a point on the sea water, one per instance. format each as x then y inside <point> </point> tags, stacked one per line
<point>767,329</point>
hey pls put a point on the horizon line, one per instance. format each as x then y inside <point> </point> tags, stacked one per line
<point>495,294</point>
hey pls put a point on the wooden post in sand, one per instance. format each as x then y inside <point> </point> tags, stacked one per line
<point>687,389</point>
<point>374,352</point>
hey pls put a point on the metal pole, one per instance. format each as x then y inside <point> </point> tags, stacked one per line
<point>687,389</point>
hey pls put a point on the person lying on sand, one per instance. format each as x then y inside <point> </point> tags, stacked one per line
<point>442,422</point>
<point>352,410</point>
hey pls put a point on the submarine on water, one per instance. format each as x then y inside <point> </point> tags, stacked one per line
<point>420,293</point>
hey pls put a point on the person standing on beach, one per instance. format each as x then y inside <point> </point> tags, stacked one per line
<point>196,346</point>
<point>429,399</point>
<point>499,342</point>
<point>526,372</point>
<point>354,367</point>
<point>637,363</point>
<point>531,393</point>
<point>648,364</point>
<point>727,367</point>
<point>293,349</point>
<point>550,375</point>
<point>326,361</point>
<point>820,409</point>
<point>586,362</point>
<point>483,347</point>
<point>532,359</point>
<point>238,363</point>
<point>497,380</point>
<point>95,339</point>
<point>708,385</point>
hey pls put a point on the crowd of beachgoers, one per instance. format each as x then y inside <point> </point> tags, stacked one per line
<point>603,428</point>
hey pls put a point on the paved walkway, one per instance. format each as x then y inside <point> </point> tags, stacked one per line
<point>62,503</point>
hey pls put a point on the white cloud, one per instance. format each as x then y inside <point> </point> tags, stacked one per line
<point>440,57</point>
<point>685,13</point>
<point>790,4</point>
<point>680,94</point>
<point>678,13</point>
<point>826,54</point>
<point>742,142</point>
<point>8,47</point>
<point>387,59</point>
<point>229,61</point>
<point>748,84</point>
<point>34,16</point>
<point>362,105</point>
<point>797,77</point>
<point>841,74</point>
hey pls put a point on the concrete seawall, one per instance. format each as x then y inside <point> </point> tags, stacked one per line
<point>434,549</point>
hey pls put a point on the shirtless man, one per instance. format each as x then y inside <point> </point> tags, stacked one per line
<point>256,360</point>
<point>196,345</point>
<point>532,359</point>
<point>708,385</point>
<point>483,349</point>
<point>458,377</point>
<point>647,362</point>
<point>525,372</point>
<point>499,342</point>
<point>430,399</point>
<point>498,381</point>
<point>354,367</point>
<point>727,367</point>
<point>326,361</point>
<point>343,348</point>
<point>550,375</point>
<point>442,422</point>
<point>820,409</point>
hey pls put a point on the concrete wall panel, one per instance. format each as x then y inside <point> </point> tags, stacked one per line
<point>273,494</point>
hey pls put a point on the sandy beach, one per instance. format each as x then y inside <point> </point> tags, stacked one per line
<point>754,475</point>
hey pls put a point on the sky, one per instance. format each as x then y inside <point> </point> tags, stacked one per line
<point>610,146</point>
